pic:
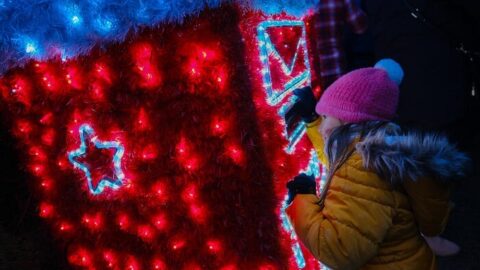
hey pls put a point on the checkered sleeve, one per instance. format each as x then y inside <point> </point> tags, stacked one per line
<point>356,18</point>
<point>332,17</point>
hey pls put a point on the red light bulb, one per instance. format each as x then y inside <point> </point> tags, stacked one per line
<point>159,190</point>
<point>81,257</point>
<point>97,91</point>
<point>46,210</point>
<point>46,184</point>
<point>150,76</point>
<point>20,88</point>
<point>142,51</point>
<point>123,221</point>
<point>142,122</point>
<point>149,152</point>
<point>221,78</point>
<point>191,164</point>
<point>110,258</point>
<point>62,163</point>
<point>49,82</point>
<point>74,78</point>
<point>182,147</point>
<point>48,137</point>
<point>158,264</point>
<point>219,126</point>
<point>77,117</point>
<point>23,127</point>
<point>198,213</point>
<point>93,222</point>
<point>178,244</point>
<point>146,232</point>
<point>38,169</point>
<point>37,153</point>
<point>65,226</point>
<point>214,246</point>
<point>47,119</point>
<point>102,72</point>
<point>193,69</point>
<point>132,264</point>
<point>236,154</point>
<point>160,221</point>
<point>229,267</point>
<point>206,54</point>
<point>190,193</point>
<point>144,58</point>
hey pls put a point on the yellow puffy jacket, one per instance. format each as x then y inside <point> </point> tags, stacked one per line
<point>368,223</point>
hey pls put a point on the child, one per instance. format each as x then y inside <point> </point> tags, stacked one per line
<point>386,187</point>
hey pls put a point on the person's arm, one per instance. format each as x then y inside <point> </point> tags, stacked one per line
<point>346,233</point>
<point>329,23</point>
<point>356,18</point>
<point>331,19</point>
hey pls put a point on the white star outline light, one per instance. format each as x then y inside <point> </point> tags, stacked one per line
<point>87,132</point>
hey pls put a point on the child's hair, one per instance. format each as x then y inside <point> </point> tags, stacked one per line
<point>396,154</point>
<point>340,146</point>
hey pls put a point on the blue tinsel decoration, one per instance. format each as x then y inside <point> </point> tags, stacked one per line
<point>42,28</point>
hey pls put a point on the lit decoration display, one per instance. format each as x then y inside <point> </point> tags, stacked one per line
<point>285,65</point>
<point>168,150</point>
<point>269,50</point>
<point>87,133</point>
<point>269,57</point>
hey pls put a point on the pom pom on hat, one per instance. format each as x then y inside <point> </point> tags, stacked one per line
<point>393,69</point>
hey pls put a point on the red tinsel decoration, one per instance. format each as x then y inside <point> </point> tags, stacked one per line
<point>204,162</point>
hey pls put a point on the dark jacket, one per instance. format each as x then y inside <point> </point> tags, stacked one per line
<point>434,89</point>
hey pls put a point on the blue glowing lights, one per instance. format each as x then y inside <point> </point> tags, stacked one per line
<point>28,45</point>
<point>313,168</point>
<point>30,48</point>
<point>276,96</point>
<point>287,226</point>
<point>299,130</point>
<point>87,133</point>
<point>76,19</point>
<point>76,26</point>
<point>267,49</point>
<point>283,98</point>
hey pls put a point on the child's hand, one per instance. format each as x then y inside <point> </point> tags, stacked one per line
<point>441,246</point>
<point>301,184</point>
<point>304,107</point>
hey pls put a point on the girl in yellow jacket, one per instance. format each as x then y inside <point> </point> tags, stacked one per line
<point>386,187</point>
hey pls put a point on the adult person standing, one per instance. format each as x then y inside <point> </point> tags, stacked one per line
<point>333,20</point>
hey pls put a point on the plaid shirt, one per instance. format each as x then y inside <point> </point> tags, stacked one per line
<point>332,18</point>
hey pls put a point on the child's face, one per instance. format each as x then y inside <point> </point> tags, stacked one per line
<point>327,125</point>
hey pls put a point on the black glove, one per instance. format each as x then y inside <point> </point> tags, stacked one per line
<point>303,108</point>
<point>301,184</point>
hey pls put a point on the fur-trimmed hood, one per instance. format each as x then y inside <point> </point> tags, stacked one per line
<point>397,155</point>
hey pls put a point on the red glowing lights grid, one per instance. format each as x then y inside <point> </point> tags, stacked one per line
<point>204,163</point>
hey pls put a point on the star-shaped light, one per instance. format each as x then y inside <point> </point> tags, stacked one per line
<point>87,132</point>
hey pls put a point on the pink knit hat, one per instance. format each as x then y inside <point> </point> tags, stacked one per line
<point>364,94</point>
